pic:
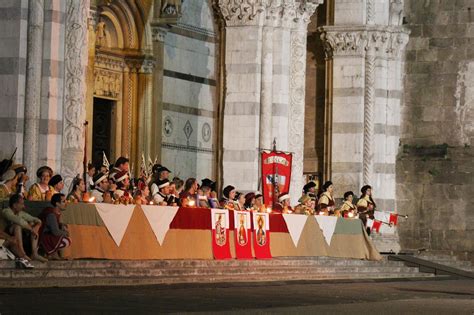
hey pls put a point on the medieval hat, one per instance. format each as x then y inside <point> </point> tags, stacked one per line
<point>283,196</point>
<point>304,199</point>
<point>227,191</point>
<point>208,183</point>
<point>156,168</point>
<point>120,176</point>
<point>163,183</point>
<point>56,179</point>
<point>364,189</point>
<point>258,194</point>
<point>18,168</point>
<point>308,186</point>
<point>99,177</point>
<point>326,185</point>
<point>43,169</point>
<point>347,194</point>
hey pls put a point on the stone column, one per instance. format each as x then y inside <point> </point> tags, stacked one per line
<point>243,54</point>
<point>303,12</point>
<point>369,104</point>
<point>267,87</point>
<point>145,105</point>
<point>76,56</point>
<point>33,84</point>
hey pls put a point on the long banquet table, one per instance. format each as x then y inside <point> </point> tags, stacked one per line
<point>189,236</point>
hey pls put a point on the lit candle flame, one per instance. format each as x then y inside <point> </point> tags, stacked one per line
<point>151,203</point>
<point>269,209</point>
<point>191,203</point>
<point>350,214</point>
<point>91,199</point>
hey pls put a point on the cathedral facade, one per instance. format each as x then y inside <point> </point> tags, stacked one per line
<point>357,90</point>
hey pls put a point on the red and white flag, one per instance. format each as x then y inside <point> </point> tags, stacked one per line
<point>374,225</point>
<point>261,236</point>
<point>393,219</point>
<point>243,235</point>
<point>220,233</point>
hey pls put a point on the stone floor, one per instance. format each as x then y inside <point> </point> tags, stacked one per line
<point>333,297</point>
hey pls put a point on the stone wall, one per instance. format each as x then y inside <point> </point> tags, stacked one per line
<point>189,93</point>
<point>435,162</point>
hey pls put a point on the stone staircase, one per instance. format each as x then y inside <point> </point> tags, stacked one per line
<point>128,272</point>
<point>447,260</point>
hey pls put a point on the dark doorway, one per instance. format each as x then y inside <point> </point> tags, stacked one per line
<point>102,129</point>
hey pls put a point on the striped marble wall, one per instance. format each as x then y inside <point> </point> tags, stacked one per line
<point>189,93</point>
<point>13,34</point>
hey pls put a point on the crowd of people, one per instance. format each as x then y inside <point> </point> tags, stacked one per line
<point>113,184</point>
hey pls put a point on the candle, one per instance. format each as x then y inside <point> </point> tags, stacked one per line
<point>269,209</point>
<point>91,199</point>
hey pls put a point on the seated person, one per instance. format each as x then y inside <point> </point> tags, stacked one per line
<point>228,196</point>
<point>188,197</point>
<point>39,190</point>
<point>22,179</point>
<point>22,224</point>
<point>143,193</point>
<point>240,201</point>
<point>326,200</point>
<point>78,191</point>
<point>56,184</point>
<point>102,186</point>
<point>283,204</point>
<point>121,194</point>
<point>259,206</point>
<point>348,209</point>
<point>53,235</point>
<point>204,194</point>
<point>310,189</point>
<point>8,185</point>
<point>162,195</point>
<point>304,207</point>
<point>249,201</point>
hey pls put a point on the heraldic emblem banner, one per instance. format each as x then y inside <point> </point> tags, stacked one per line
<point>276,175</point>
<point>220,233</point>
<point>261,235</point>
<point>243,235</point>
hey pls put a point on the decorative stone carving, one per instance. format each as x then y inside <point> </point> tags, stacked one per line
<point>396,12</point>
<point>107,83</point>
<point>109,62</point>
<point>168,126</point>
<point>158,34</point>
<point>242,12</point>
<point>206,132</point>
<point>370,9</point>
<point>75,88</point>
<point>171,7</point>
<point>147,65</point>
<point>386,41</point>
<point>100,34</point>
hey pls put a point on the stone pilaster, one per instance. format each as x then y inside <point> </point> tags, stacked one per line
<point>33,84</point>
<point>76,57</point>
<point>365,107</point>
<point>303,12</point>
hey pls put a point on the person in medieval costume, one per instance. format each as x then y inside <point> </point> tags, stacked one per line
<point>326,200</point>
<point>57,184</point>
<point>366,205</point>
<point>78,191</point>
<point>239,201</point>
<point>188,197</point>
<point>310,189</point>
<point>8,185</point>
<point>22,179</point>
<point>122,195</point>
<point>259,206</point>
<point>228,196</point>
<point>249,201</point>
<point>348,209</point>
<point>304,207</point>
<point>283,204</point>
<point>53,234</point>
<point>102,186</point>
<point>39,191</point>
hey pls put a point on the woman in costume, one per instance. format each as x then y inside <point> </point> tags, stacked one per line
<point>39,190</point>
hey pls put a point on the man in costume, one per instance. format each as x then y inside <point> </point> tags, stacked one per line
<point>366,205</point>
<point>283,204</point>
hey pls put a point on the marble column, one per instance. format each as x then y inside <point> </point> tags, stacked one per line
<point>33,83</point>
<point>369,104</point>
<point>76,57</point>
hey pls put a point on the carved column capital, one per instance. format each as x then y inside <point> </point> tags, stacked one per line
<point>158,34</point>
<point>385,41</point>
<point>303,12</point>
<point>242,12</point>
<point>148,65</point>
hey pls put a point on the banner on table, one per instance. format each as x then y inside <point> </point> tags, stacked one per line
<point>276,175</point>
<point>261,236</point>
<point>116,219</point>
<point>159,218</point>
<point>295,224</point>
<point>243,235</point>
<point>327,224</point>
<point>220,233</point>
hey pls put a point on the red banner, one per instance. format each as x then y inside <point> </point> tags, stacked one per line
<point>261,236</point>
<point>220,234</point>
<point>276,175</point>
<point>243,235</point>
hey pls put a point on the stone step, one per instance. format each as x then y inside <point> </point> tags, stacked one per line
<point>450,261</point>
<point>107,281</point>
<point>152,264</point>
<point>192,272</point>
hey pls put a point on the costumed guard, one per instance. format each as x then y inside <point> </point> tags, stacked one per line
<point>348,209</point>
<point>101,185</point>
<point>366,205</point>
<point>326,200</point>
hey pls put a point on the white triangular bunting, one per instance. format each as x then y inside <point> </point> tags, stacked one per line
<point>295,224</point>
<point>160,219</point>
<point>116,219</point>
<point>327,225</point>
